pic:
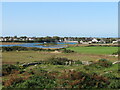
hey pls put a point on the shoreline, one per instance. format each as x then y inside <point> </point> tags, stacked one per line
<point>10,43</point>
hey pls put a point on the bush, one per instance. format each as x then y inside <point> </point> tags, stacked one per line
<point>14,48</point>
<point>60,61</point>
<point>117,53</point>
<point>36,82</point>
<point>115,84</point>
<point>68,51</point>
<point>104,63</point>
<point>81,80</point>
<point>7,69</point>
<point>78,62</point>
<point>110,76</point>
<point>19,48</point>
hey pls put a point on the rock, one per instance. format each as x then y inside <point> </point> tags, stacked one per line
<point>86,62</point>
<point>116,62</point>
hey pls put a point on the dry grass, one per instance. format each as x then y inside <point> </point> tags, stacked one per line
<point>28,56</point>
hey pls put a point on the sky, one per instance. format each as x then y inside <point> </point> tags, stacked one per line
<point>64,19</point>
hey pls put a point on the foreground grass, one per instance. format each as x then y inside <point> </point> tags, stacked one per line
<point>95,50</point>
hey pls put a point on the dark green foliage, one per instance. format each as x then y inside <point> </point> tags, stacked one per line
<point>74,79</point>
<point>60,61</point>
<point>19,48</point>
<point>114,81</point>
<point>117,53</point>
<point>78,62</point>
<point>14,48</point>
<point>115,84</point>
<point>104,63</point>
<point>7,69</point>
<point>68,51</point>
<point>36,82</point>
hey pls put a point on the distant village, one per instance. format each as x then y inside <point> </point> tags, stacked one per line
<point>80,40</point>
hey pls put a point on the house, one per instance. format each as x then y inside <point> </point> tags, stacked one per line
<point>15,39</point>
<point>89,42</point>
<point>101,41</point>
<point>94,40</point>
<point>80,42</point>
<point>4,39</point>
<point>1,39</point>
<point>30,39</point>
<point>115,42</point>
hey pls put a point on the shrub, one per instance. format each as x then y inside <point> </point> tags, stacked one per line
<point>7,69</point>
<point>115,84</point>
<point>110,76</point>
<point>36,82</point>
<point>117,53</point>
<point>78,62</point>
<point>104,63</point>
<point>67,51</point>
<point>74,79</point>
<point>60,61</point>
<point>14,48</point>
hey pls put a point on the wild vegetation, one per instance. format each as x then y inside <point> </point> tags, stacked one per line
<point>73,67</point>
<point>54,73</point>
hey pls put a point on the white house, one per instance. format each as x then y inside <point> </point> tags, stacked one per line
<point>1,39</point>
<point>102,41</point>
<point>114,42</point>
<point>30,39</point>
<point>81,42</point>
<point>94,40</point>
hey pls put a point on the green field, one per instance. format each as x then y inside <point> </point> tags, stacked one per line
<point>53,72</point>
<point>95,50</point>
<point>81,53</point>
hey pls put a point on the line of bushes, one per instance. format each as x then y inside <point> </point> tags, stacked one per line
<point>102,45</point>
<point>19,48</point>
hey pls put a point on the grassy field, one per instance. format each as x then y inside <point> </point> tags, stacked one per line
<point>28,56</point>
<point>95,50</point>
<point>61,75</point>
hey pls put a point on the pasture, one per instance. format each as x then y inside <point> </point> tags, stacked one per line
<point>81,53</point>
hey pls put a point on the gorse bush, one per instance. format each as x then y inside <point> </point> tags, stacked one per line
<point>7,69</point>
<point>104,63</point>
<point>74,79</point>
<point>60,61</point>
<point>78,62</point>
<point>14,48</point>
<point>36,82</point>
<point>114,81</point>
<point>115,84</point>
<point>19,48</point>
<point>67,51</point>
